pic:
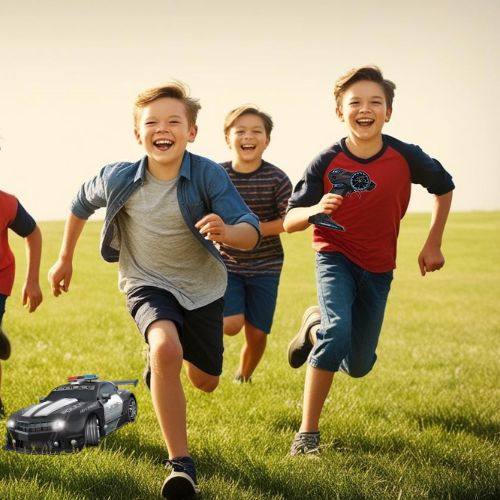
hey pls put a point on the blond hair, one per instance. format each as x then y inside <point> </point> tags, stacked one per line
<point>175,90</point>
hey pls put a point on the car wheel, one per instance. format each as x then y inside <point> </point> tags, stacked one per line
<point>92,437</point>
<point>131,409</point>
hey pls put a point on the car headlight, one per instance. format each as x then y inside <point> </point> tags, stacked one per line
<point>58,425</point>
<point>11,423</point>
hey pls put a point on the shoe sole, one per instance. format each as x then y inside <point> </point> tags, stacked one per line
<point>179,485</point>
<point>302,334</point>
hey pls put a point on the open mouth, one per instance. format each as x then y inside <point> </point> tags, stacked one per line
<point>163,144</point>
<point>365,122</point>
<point>248,147</point>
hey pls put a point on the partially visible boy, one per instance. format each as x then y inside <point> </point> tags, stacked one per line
<point>164,214</point>
<point>14,216</point>
<point>355,261</point>
<point>253,277</point>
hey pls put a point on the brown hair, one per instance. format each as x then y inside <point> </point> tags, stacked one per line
<point>175,90</point>
<point>369,73</point>
<point>248,109</point>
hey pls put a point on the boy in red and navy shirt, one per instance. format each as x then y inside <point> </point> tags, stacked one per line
<point>14,216</point>
<point>356,193</point>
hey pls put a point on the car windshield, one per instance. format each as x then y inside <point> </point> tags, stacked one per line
<point>83,392</point>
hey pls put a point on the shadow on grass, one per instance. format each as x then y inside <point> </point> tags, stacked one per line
<point>484,429</point>
<point>105,484</point>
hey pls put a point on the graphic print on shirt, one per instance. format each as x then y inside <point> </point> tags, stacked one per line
<point>344,183</point>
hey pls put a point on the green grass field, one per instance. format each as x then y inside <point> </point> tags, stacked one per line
<point>424,424</point>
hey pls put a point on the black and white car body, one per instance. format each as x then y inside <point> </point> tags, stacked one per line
<point>72,416</point>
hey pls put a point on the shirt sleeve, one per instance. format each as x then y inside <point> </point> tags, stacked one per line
<point>23,224</point>
<point>283,193</point>
<point>428,172</point>
<point>310,189</point>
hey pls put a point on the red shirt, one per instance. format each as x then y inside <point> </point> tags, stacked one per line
<point>376,196</point>
<point>8,211</point>
<point>12,216</point>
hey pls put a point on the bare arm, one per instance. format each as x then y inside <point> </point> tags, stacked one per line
<point>431,258</point>
<point>60,273</point>
<point>31,292</point>
<point>297,219</point>
<point>272,227</point>
<point>242,236</point>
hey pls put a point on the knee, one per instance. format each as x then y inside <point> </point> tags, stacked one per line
<point>233,325</point>
<point>357,371</point>
<point>164,355</point>
<point>206,384</point>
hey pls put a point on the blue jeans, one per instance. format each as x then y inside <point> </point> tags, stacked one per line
<point>352,303</point>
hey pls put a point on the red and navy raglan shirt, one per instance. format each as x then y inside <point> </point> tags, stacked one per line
<point>377,192</point>
<point>266,192</point>
<point>12,216</point>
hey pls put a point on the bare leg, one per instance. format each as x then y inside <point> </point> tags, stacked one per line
<point>233,324</point>
<point>252,350</point>
<point>167,393</point>
<point>316,388</point>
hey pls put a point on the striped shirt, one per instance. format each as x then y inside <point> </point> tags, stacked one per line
<point>266,191</point>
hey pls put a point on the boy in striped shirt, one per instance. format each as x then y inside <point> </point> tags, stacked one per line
<point>253,276</point>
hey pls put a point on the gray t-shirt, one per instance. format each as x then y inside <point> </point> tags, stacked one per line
<point>158,248</point>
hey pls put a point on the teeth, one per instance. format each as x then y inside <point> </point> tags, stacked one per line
<point>247,146</point>
<point>163,142</point>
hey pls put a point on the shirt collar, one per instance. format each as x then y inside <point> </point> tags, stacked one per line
<point>185,170</point>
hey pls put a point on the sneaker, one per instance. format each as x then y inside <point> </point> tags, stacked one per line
<point>4,346</point>
<point>146,375</point>
<point>305,443</point>
<point>181,483</point>
<point>301,345</point>
<point>240,379</point>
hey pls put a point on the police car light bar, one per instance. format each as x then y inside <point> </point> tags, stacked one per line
<point>83,377</point>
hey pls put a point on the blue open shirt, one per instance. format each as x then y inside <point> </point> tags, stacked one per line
<point>204,187</point>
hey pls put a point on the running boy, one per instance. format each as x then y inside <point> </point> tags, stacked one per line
<point>14,216</point>
<point>164,214</point>
<point>253,277</point>
<point>364,180</point>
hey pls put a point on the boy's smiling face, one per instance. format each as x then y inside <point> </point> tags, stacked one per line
<point>247,138</point>
<point>364,111</point>
<point>163,130</point>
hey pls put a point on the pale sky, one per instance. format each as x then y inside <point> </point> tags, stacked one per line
<point>70,71</point>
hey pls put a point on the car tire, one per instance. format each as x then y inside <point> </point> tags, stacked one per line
<point>91,434</point>
<point>131,409</point>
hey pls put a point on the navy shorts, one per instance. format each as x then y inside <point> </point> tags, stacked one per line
<point>254,297</point>
<point>200,330</point>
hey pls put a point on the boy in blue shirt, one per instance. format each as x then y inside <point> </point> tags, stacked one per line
<point>364,181</point>
<point>164,215</point>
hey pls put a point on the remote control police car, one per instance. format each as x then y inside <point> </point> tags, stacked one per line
<point>72,416</point>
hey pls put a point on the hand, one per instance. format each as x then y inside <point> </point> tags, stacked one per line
<point>212,227</point>
<point>32,296</point>
<point>430,259</point>
<point>60,277</point>
<point>329,204</point>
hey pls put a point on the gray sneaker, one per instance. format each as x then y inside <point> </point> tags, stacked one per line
<point>181,483</point>
<point>305,443</point>
<point>301,345</point>
<point>4,346</point>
